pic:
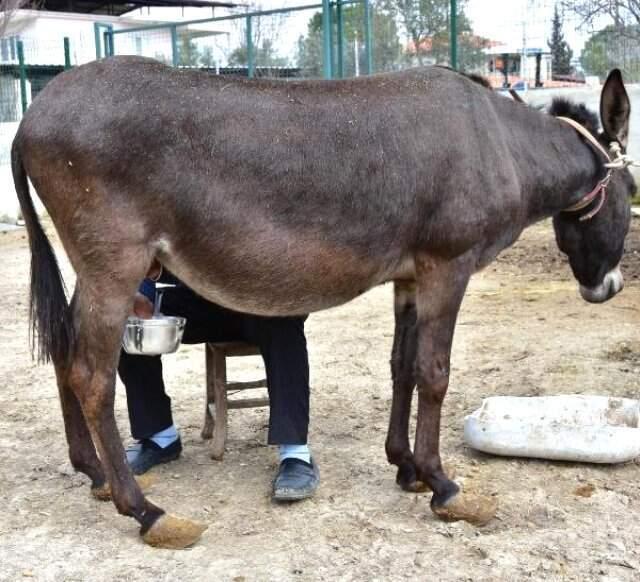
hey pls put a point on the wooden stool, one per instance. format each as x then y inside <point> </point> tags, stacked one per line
<point>215,412</point>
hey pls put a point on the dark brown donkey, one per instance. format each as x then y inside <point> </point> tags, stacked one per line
<point>290,197</point>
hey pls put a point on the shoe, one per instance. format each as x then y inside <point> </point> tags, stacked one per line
<point>296,479</point>
<point>149,454</point>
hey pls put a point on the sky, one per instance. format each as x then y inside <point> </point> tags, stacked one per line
<point>510,20</point>
<point>501,20</point>
<point>506,21</point>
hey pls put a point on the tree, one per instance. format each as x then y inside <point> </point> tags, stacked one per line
<point>206,57</point>
<point>386,45</point>
<point>265,31</point>
<point>7,10</point>
<point>595,57</point>
<point>607,49</point>
<point>560,52</point>
<point>624,14</point>
<point>426,23</point>
<point>264,55</point>
<point>471,56</point>
<point>188,54</point>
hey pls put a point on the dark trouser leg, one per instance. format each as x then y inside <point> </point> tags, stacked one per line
<point>148,404</point>
<point>283,346</point>
<point>284,349</point>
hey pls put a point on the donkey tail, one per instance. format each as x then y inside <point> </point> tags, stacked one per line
<point>49,313</point>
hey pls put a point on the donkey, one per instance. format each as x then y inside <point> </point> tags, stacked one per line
<point>283,198</point>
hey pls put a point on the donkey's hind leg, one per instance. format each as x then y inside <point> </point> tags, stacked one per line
<point>82,453</point>
<point>99,317</point>
<point>403,358</point>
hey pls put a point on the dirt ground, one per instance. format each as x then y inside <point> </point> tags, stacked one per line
<point>523,330</point>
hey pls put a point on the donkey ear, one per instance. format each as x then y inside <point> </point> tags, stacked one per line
<point>615,109</point>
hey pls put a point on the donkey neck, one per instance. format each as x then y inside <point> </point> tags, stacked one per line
<point>559,171</point>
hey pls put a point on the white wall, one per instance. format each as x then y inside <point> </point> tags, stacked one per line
<point>43,37</point>
<point>43,32</point>
<point>8,201</point>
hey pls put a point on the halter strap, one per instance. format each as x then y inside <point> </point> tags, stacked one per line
<point>601,186</point>
<point>584,132</point>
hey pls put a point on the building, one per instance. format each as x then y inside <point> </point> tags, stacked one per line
<point>506,65</point>
<point>42,33</point>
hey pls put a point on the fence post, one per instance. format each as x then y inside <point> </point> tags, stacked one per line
<point>340,27</point>
<point>96,33</point>
<point>453,34</point>
<point>67,54</point>
<point>175,53</point>
<point>108,43</point>
<point>250,60</point>
<point>368,36</point>
<point>326,38</point>
<point>23,77</point>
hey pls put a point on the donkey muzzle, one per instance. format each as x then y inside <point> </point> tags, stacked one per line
<point>612,283</point>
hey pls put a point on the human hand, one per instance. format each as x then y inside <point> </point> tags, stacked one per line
<point>155,270</point>
<point>142,306</point>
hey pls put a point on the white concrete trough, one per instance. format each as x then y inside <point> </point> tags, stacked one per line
<point>591,429</point>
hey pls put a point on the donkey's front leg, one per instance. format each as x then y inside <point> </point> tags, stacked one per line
<point>403,358</point>
<point>441,286</point>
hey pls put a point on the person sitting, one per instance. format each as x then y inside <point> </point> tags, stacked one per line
<point>282,343</point>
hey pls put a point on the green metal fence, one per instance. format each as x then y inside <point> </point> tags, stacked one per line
<point>27,67</point>
<point>258,43</point>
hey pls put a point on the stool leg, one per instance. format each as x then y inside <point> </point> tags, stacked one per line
<point>207,429</point>
<point>220,408</point>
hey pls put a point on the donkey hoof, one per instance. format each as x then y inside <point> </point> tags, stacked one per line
<point>416,487</point>
<point>408,480</point>
<point>103,492</point>
<point>475,509</point>
<point>173,533</point>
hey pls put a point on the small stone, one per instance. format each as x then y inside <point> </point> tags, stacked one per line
<point>66,470</point>
<point>618,545</point>
<point>585,490</point>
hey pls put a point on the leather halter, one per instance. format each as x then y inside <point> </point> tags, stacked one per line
<point>601,187</point>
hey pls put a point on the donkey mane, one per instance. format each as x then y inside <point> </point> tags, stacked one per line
<point>475,77</point>
<point>562,107</point>
<point>479,79</point>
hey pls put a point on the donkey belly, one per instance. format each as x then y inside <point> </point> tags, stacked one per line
<point>272,278</point>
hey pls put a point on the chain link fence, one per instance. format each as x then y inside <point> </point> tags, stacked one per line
<point>257,44</point>
<point>26,66</point>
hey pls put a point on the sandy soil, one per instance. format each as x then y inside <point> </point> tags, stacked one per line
<point>523,330</point>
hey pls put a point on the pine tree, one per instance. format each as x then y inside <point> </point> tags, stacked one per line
<point>560,52</point>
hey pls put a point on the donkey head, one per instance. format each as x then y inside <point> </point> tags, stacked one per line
<point>593,237</point>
